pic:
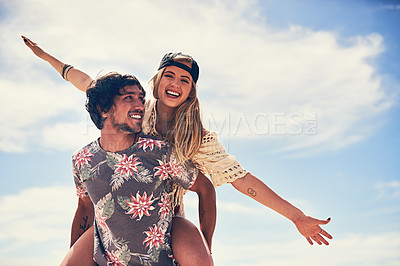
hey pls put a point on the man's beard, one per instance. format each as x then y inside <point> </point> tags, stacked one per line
<point>124,127</point>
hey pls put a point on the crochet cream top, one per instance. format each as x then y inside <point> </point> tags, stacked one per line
<point>211,159</point>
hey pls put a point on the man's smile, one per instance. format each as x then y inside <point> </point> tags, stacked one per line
<point>136,115</point>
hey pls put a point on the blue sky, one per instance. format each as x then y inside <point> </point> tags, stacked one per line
<point>305,94</point>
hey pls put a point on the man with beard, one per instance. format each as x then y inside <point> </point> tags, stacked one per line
<point>125,180</point>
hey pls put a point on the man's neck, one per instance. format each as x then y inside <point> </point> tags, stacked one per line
<point>114,142</point>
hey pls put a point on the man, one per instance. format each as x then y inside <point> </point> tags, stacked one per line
<point>125,181</point>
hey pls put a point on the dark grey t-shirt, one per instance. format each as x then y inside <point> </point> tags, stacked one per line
<point>131,192</point>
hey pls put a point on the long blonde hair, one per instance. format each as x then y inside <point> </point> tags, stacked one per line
<point>186,129</point>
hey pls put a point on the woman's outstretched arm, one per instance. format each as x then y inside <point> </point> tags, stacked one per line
<point>308,226</point>
<point>78,78</point>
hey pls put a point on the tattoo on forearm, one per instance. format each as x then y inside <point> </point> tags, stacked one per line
<point>252,192</point>
<point>84,225</point>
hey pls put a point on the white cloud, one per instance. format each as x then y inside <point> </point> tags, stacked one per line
<point>249,71</point>
<point>69,136</point>
<point>240,240</point>
<point>356,249</point>
<point>37,210</point>
<point>389,190</point>
<point>37,220</point>
<point>27,106</point>
<point>390,7</point>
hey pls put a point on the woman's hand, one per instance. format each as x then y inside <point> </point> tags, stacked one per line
<point>78,78</point>
<point>310,228</point>
<point>35,48</point>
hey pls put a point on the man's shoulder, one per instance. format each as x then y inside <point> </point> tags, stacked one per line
<point>91,148</point>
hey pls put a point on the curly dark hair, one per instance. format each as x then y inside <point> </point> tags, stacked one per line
<point>101,93</point>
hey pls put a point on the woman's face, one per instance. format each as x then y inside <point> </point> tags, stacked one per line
<point>174,87</point>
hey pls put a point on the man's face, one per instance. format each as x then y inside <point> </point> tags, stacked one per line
<point>126,115</point>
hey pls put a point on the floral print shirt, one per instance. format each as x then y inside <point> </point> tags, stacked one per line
<point>132,193</point>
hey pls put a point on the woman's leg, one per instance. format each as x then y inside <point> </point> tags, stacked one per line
<point>81,253</point>
<point>188,244</point>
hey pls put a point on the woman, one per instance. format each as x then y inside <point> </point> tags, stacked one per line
<point>175,116</point>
